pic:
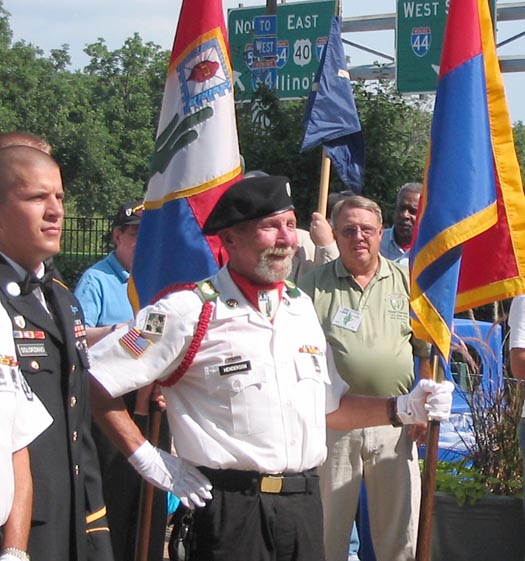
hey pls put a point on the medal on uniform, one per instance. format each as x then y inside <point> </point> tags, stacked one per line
<point>20,321</point>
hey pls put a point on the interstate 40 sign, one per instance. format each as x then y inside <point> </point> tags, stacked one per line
<point>281,51</point>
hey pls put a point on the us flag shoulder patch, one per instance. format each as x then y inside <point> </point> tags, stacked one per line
<point>134,343</point>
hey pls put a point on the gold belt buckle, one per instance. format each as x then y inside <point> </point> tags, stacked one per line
<point>271,484</point>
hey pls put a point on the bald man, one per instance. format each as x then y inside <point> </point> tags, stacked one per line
<point>68,519</point>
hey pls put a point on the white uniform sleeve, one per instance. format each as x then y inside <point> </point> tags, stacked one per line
<point>517,323</point>
<point>148,349</point>
<point>337,388</point>
<point>24,415</point>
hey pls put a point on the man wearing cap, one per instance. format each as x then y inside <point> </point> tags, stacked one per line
<point>102,292</point>
<point>249,385</point>
<point>102,289</point>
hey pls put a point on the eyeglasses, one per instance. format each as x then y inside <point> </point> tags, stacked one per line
<point>366,231</point>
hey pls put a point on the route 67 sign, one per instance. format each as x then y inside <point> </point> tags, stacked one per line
<point>420,40</point>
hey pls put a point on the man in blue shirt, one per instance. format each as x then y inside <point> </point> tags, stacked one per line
<point>396,241</point>
<point>102,292</point>
<point>102,289</point>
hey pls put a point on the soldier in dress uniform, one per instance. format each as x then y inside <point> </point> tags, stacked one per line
<point>68,519</point>
<point>250,386</point>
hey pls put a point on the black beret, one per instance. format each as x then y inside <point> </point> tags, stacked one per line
<point>249,198</point>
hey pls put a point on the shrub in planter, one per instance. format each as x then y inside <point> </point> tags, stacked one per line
<point>478,511</point>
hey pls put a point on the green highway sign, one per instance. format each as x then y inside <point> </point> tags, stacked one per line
<point>284,52</point>
<point>419,38</point>
<point>420,32</point>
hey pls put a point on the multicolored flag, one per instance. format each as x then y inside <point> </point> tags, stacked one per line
<point>331,116</point>
<point>196,157</point>
<point>470,244</point>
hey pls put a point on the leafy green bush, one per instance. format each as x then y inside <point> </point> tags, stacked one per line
<point>468,484</point>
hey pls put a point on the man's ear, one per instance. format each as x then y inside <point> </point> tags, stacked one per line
<point>227,237</point>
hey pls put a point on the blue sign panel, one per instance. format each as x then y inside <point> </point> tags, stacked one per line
<point>265,25</point>
<point>420,40</point>
<point>264,76</point>
<point>265,46</point>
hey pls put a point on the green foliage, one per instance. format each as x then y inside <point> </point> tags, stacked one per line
<point>468,484</point>
<point>519,140</point>
<point>71,268</point>
<point>396,131</point>
<point>101,123</point>
<point>492,462</point>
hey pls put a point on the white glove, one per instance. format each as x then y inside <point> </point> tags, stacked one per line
<point>6,556</point>
<point>428,400</point>
<point>173,474</point>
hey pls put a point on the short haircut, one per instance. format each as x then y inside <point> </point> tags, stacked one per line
<point>356,201</point>
<point>22,138</point>
<point>13,158</point>
<point>413,187</point>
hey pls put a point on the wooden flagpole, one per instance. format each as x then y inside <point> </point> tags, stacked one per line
<point>428,483</point>
<point>147,490</point>
<point>324,184</point>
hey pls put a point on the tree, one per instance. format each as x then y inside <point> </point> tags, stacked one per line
<point>396,131</point>
<point>519,140</point>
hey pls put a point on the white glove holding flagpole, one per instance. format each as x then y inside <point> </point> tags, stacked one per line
<point>173,474</point>
<point>428,400</point>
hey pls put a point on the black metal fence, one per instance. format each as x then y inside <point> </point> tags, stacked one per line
<point>85,238</point>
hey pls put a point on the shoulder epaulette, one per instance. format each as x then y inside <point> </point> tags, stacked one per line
<point>60,283</point>
<point>291,289</point>
<point>207,290</point>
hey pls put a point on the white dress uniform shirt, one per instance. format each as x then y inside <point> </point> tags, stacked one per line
<point>391,250</point>
<point>516,323</point>
<point>255,396</point>
<point>22,417</point>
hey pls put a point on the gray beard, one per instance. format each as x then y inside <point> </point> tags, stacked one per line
<point>270,271</point>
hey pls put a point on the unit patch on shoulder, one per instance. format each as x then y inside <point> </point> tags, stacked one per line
<point>291,289</point>
<point>207,290</point>
<point>134,343</point>
<point>154,324</point>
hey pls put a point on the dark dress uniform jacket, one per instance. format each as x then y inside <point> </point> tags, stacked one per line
<point>68,521</point>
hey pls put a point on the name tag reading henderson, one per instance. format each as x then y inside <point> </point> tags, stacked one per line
<point>235,368</point>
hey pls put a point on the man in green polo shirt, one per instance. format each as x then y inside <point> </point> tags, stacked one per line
<point>362,301</point>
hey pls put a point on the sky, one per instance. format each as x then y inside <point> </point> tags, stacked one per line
<point>51,23</point>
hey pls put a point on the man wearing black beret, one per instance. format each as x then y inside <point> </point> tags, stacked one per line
<point>250,387</point>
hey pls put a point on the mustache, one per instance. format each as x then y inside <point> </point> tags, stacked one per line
<point>278,252</point>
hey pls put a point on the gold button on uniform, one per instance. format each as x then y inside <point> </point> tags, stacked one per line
<point>74,436</point>
<point>76,469</point>
<point>35,365</point>
<point>72,401</point>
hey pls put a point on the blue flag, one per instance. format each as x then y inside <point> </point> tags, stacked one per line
<point>331,116</point>
<point>470,243</point>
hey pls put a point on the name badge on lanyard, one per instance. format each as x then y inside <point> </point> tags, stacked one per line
<point>348,318</point>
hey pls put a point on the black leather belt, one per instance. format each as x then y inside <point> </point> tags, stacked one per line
<point>253,481</point>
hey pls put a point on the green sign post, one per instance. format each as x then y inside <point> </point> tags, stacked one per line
<point>285,56</point>
<point>419,39</point>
